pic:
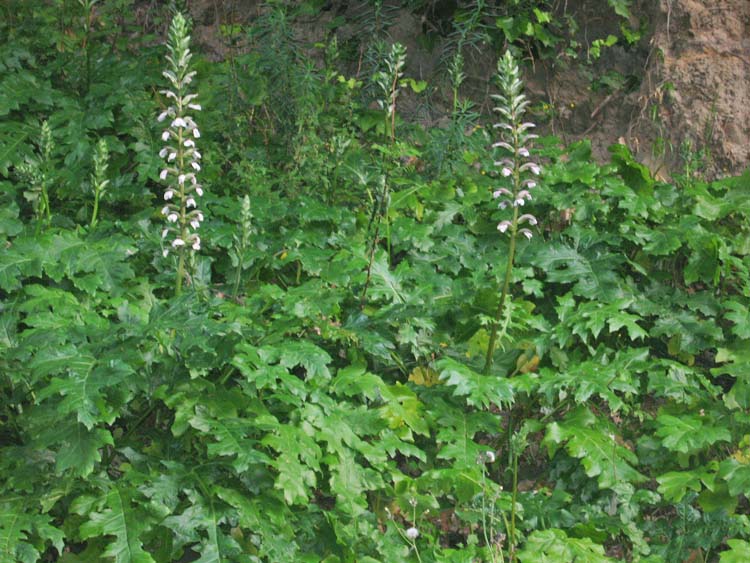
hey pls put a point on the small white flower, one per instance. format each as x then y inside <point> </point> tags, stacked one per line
<point>197,155</point>
<point>189,143</point>
<point>195,166</point>
<point>503,144</point>
<point>196,107</point>
<point>503,226</point>
<point>169,194</point>
<point>412,533</point>
<point>165,210</point>
<point>527,217</point>
<point>162,116</point>
<point>181,179</point>
<point>535,168</point>
<point>526,233</point>
<point>490,456</point>
<point>523,151</point>
<point>190,202</point>
<point>163,152</point>
<point>518,201</point>
<point>502,191</point>
<point>199,216</point>
<point>195,223</point>
<point>524,194</point>
<point>179,122</point>
<point>199,190</point>
<point>165,135</point>
<point>506,172</point>
<point>172,156</point>
<point>165,252</point>
<point>163,174</point>
<point>529,184</point>
<point>178,242</point>
<point>197,243</point>
<point>164,234</point>
<point>503,204</point>
<point>172,217</point>
<point>196,133</point>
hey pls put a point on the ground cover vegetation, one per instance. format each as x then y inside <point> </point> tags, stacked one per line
<point>256,314</point>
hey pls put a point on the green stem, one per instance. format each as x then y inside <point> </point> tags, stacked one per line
<point>512,538</point>
<point>503,295</point>
<point>95,212</point>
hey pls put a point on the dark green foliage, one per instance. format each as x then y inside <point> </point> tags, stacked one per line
<point>267,413</point>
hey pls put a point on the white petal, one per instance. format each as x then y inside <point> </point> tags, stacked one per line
<point>169,194</point>
<point>172,217</point>
<point>165,135</point>
<point>195,165</point>
<point>163,174</point>
<point>172,156</point>
<point>179,122</point>
<point>199,190</point>
<point>196,133</point>
<point>178,242</point>
<point>506,172</point>
<point>190,202</point>
<point>196,107</point>
<point>189,143</point>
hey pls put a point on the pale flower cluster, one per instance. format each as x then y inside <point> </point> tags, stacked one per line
<point>181,155</point>
<point>515,164</point>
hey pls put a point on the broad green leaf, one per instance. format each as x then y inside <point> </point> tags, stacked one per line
<point>480,390</point>
<point>19,531</point>
<point>80,449</point>
<point>121,520</point>
<point>555,546</point>
<point>593,441</point>
<point>675,484</point>
<point>689,434</point>
<point>739,552</point>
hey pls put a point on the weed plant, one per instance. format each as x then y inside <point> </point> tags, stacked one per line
<point>259,413</point>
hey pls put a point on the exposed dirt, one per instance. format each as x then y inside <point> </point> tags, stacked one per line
<point>686,83</point>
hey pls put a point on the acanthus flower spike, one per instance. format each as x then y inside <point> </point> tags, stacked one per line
<point>514,139</point>
<point>182,156</point>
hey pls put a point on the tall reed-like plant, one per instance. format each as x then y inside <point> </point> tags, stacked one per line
<point>180,152</point>
<point>517,172</point>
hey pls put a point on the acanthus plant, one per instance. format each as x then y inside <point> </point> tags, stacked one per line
<point>180,153</point>
<point>518,169</point>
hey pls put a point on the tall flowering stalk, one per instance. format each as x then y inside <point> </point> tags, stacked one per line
<point>516,169</point>
<point>182,159</point>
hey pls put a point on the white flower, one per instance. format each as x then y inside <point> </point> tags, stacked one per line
<point>506,172</point>
<point>535,168</point>
<point>179,122</point>
<point>523,151</point>
<point>169,194</point>
<point>195,223</point>
<point>165,210</point>
<point>529,184</point>
<point>165,135</point>
<point>503,226</point>
<point>518,201</point>
<point>196,133</point>
<point>164,234</point>
<point>162,116</point>
<point>178,242</point>
<point>165,252</point>
<point>195,166</point>
<point>198,190</point>
<point>412,533</point>
<point>189,143</point>
<point>489,456</point>
<point>526,233</point>
<point>163,152</point>
<point>190,202</point>
<point>172,156</point>
<point>199,216</point>
<point>172,217</point>
<point>527,217</point>
<point>197,243</point>
<point>502,191</point>
<point>503,204</point>
<point>502,144</point>
<point>196,107</point>
<point>163,174</point>
<point>524,194</point>
<point>181,179</point>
